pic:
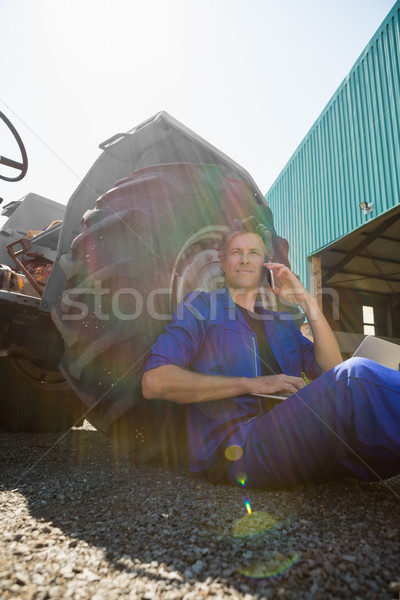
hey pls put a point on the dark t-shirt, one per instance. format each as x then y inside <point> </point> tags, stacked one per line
<point>269,364</point>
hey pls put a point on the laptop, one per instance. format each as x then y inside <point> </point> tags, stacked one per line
<point>381,351</point>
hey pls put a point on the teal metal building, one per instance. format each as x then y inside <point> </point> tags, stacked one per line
<point>337,200</point>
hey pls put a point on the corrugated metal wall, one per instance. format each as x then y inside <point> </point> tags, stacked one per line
<point>351,154</point>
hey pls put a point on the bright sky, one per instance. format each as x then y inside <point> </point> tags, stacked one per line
<point>249,76</point>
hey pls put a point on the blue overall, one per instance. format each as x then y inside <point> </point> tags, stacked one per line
<point>345,423</point>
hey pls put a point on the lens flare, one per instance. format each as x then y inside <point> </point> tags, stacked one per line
<point>269,567</point>
<point>241,478</point>
<point>247,505</point>
<point>233,452</point>
<point>253,523</point>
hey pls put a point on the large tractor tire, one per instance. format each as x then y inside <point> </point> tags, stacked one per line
<point>36,399</point>
<point>149,240</point>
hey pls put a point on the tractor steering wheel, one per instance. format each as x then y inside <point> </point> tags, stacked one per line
<point>21,166</point>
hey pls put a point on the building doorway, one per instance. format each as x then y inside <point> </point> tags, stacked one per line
<point>360,282</point>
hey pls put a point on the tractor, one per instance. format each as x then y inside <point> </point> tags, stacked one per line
<point>86,288</point>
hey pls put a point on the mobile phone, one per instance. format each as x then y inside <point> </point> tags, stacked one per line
<point>270,278</point>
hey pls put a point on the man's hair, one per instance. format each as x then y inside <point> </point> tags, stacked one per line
<point>249,225</point>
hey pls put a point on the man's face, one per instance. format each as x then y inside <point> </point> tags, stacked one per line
<point>243,261</point>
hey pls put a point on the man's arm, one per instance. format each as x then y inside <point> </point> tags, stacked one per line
<point>170,382</point>
<point>326,349</point>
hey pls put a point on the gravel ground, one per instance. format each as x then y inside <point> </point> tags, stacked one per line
<point>77,523</point>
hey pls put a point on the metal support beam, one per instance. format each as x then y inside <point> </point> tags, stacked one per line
<point>360,275</point>
<point>386,238</point>
<point>369,256</point>
<point>361,246</point>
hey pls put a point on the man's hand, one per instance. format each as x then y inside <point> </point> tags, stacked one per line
<point>289,288</point>
<point>276,384</point>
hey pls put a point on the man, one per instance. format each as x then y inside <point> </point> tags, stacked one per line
<point>223,352</point>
